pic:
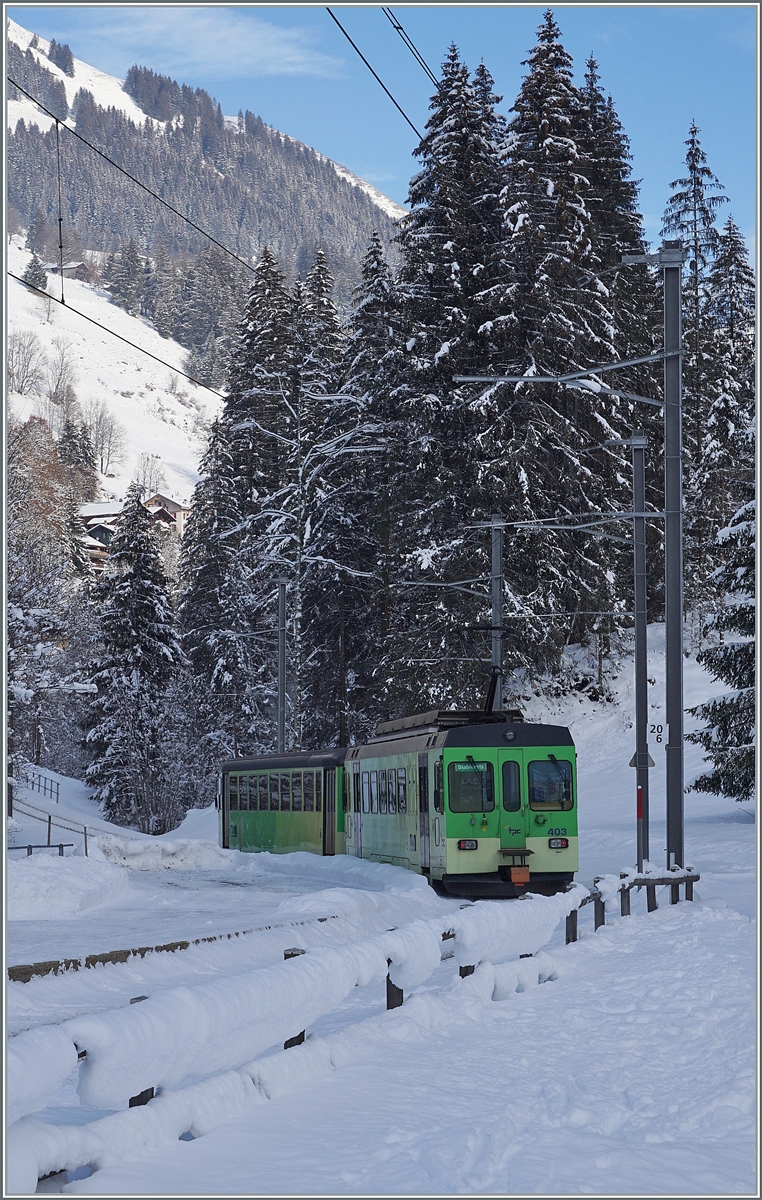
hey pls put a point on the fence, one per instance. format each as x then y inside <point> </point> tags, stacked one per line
<point>28,809</point>
<point>139,1056</point>
<point>598,897</point>
<point>45,846</point>
<point>37,782</point>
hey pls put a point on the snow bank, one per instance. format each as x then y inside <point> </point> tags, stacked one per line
<point>178,854</point>
<point>38,1062</point>
<point>45,886</point>
<point>345,868</point>
<point>199,823</point>
<point>495,932</point>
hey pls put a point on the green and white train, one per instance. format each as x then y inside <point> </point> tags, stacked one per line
<point>484,804</point>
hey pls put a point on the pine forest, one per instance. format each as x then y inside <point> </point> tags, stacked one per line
<point>349,459</point>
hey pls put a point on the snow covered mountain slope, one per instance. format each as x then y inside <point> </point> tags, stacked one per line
<point>160,417</point>
<point>106,89</point>
<point>107,92</point>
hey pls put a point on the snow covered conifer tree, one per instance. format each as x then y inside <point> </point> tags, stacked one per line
<point>36,274</point>
<point>564,321</point>
<point>691,215</point>
<point>725,470</point>
<point>140,653</point>
<point>728,737</point>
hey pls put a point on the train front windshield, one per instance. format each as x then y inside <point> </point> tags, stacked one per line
<point>471,787</point>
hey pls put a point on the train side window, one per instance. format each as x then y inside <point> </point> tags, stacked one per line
<point>264,794</point>
<point>438,787</point>
<point>374,791</point>
<point>511,787</point>
<point>285,791</point>
<point>309,791</point>
<point>274,793</point>
<point>296,791</point>
<point>392,786</point>
<point>471,787</point>
<point>550,785</point>
<point>344,791</point>
<point>366,791</point>
<point>401,790</point>
<point>233,792</point>
<point>318,791</point>
<point>382,791</point>
<point>243,793</point>
<point>356,786</point>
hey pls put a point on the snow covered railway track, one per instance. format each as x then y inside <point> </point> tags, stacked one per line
<point>23,973</point>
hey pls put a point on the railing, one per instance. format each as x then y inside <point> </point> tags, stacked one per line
<point>44,846</point>
<point>37,782</point>
<point>27,809</point>
<point>673,879</point>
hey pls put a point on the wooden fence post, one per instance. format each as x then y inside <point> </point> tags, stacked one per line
<point>464,971</point>
<point>293,952</point>
<point>599,908</point>
<point>50,825</point>
<point>651,897</point>
<point>689,889</point>
<point>624,897</point>
<point>84,827</point>
<point>394,995</point>
<point>571,927</point>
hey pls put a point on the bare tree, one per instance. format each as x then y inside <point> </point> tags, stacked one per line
<point>25,363</point>
<point>108,436</point>
<point>150,473</point>
<point>61,374</point>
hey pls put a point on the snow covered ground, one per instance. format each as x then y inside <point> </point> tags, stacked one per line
<point>630,1070</point>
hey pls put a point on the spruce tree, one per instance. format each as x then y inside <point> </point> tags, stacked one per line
<point>564,322</point>
<point>725,471</point>
<point>728,737</point>
<point>140,651</point>
<point>36,274</point>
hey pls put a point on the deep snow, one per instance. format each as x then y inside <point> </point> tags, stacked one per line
<point>629,1071</point>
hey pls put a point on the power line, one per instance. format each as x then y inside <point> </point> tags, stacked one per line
<point>134,179</point>
<point>135,346</point>
<point>413,49</point>
<point>375,76</point>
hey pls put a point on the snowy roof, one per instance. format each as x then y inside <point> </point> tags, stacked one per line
<point>101,508</point>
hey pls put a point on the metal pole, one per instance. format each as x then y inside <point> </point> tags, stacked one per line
<point>281,666</point>
<point>497,609</point>
<point>672,256</point>
<point>642,761</point>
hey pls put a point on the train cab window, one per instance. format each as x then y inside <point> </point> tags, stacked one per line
<point>233,792</point>
<point>296,791</point>
<point>438,787</point>
<point>392,787</point>
<point>366,791</point>
<point>318,791</point>
<point>550,785</point>
<point>374,791</point>
<point>511,787</point>
<point>401,790</point>
<point>309,791</point>
<point>471,787</point>
<point>382,791</point>
<point>285,791</point>
<point>243,793</point>
<point>274,793</point>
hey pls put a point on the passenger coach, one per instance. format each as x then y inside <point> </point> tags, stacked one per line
<point>483,804</point>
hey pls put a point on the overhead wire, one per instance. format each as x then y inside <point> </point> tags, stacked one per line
<point>140,184</point>
<point>373,73</point>
<point>411,46</point>
<point>105,328</point>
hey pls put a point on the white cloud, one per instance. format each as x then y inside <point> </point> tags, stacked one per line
<point>214,41</point>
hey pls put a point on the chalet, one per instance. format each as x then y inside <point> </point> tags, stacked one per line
<point>99,519</point>
<point>71,270</point>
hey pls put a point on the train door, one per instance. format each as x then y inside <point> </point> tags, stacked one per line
<point>234,815</point>
<point>225,810</point>
<point>329,812</point>
<point>513,814</point>
<point>357,807</point>
<point>423,810</point>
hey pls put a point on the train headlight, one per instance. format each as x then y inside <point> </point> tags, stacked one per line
<point>558,843</point>
<point>467,844</point>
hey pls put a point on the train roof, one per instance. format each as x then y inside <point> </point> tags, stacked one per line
<point>294,758</point>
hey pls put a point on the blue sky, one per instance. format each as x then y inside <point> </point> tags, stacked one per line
<point>664,65</point>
